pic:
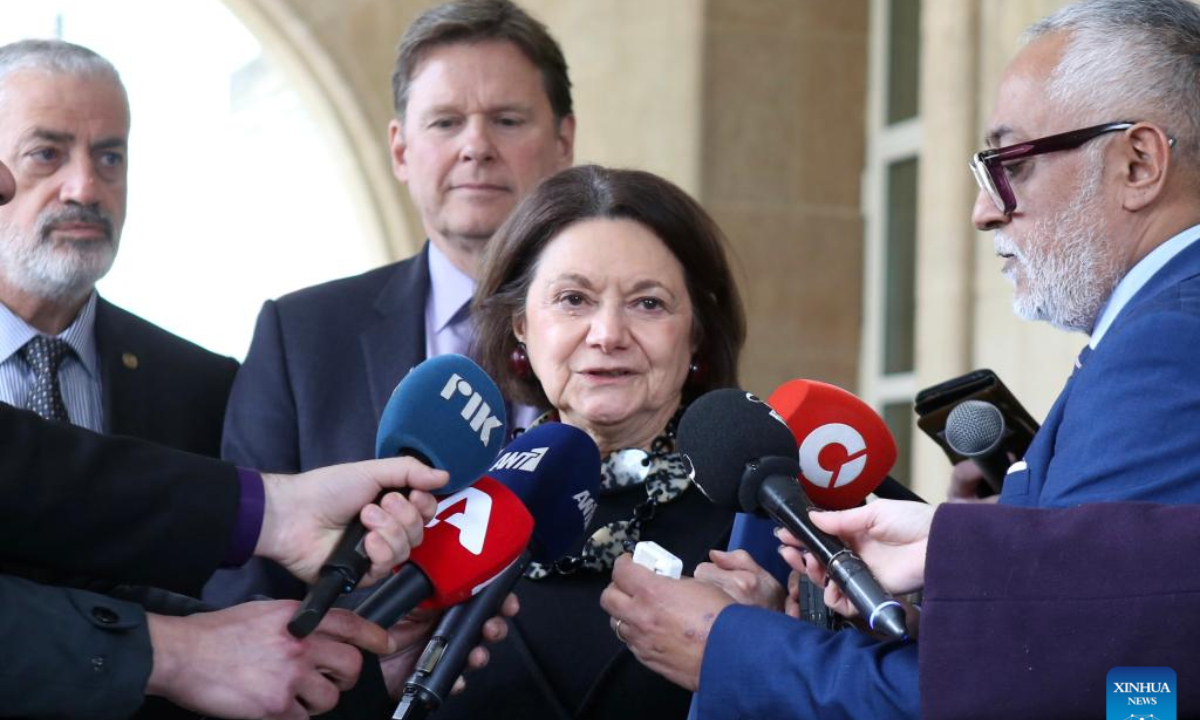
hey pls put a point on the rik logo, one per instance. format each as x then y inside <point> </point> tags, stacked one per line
<point>835,446</point>
<point>476,410</point>
<point>471,518</point>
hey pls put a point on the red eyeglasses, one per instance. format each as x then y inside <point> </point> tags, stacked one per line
<point>988,166</point>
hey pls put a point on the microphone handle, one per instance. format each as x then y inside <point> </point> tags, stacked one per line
<point>341,572</point>
<point>783,499</point>
<point>445,656</point>
<point>994,466</point>
<point>396,596</point>
<point>892,489</point>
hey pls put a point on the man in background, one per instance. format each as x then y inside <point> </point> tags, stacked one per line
<point>483,113</point>
<point>65,352</point>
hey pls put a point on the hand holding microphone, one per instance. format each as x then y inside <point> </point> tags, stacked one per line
<point>554,470</point>
<point>889,535</point>
<point>447,414</point>
<point>744,456</point>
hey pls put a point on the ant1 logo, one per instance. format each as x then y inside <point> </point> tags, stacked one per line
<point>587,506</point>
<point>526,460</point>
<point>478,412</point>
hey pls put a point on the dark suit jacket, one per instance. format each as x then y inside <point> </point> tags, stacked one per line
<point>160,387</point>
<point>82,503</point>
<point>321,367</point>
<point>1026,611</point>
<point>1123,427</point>
<point>78,503</point>
<point>156,387</point>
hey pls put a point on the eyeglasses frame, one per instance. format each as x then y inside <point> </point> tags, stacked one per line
<point>988,165</point>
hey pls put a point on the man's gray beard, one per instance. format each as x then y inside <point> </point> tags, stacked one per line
<point>56,272</point>
<point>1068,264</point>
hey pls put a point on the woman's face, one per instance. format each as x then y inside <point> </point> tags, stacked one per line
<point>608,330</point>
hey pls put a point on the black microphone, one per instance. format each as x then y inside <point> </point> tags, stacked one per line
<point>893,489</point>
<point>744,457</point>
<point>975,429</point>
<point>445,654</point>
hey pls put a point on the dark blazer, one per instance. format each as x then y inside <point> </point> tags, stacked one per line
<point>1123,427</point>
<point>1026,617</point>
<point>78,503</point>
<point>158,386</point>
<point>321,367</point>
<point>82,503</point>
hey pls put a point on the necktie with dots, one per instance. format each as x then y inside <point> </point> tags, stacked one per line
<point>45,355</point>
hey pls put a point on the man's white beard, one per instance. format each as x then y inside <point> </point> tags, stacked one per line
<point>55,271</point>
<point>1068,264</point>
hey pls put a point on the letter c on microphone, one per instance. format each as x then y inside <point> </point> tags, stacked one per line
<point>823,437</point>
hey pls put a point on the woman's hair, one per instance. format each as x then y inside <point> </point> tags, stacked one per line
<point>593,192</point>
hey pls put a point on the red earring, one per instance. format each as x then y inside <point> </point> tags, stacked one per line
<point>518,362</point>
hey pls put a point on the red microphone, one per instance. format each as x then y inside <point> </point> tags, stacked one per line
<point>476,534</point>
<point>846,450</point>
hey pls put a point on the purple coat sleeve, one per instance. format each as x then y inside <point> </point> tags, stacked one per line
<point>1027,610</point>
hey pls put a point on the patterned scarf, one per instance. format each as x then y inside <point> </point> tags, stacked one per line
<point>662,475</point>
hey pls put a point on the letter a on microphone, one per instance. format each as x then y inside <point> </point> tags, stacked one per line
<point>468,510</point>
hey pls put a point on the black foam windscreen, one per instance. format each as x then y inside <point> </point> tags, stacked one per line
<point>724,430</point>
<point>974,428</point>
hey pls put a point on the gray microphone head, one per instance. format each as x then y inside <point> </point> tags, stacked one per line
<point>974,428</point>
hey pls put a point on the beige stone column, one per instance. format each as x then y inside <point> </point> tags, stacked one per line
<point>945,249</point>
<point>783,101</point>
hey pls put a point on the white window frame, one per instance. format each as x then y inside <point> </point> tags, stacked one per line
<point>885,144</point>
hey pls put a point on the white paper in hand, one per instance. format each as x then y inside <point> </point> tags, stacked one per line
<point>654,557</point>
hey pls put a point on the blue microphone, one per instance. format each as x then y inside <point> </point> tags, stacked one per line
<point>448,414</point>
<point>555,470</point>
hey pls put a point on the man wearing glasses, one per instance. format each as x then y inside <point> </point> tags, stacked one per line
<point>1092,190</point>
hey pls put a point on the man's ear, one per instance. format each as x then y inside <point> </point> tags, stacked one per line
<point>398,147</point>
<point>1146,163</point>
<point>566,142</point>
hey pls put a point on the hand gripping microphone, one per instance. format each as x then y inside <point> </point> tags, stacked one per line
<point>975,429</point>
<point>555,470</point>
<point>475,535</point>
<point>846,449</point>
<point>744,457</point>
<point>448,414</point>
